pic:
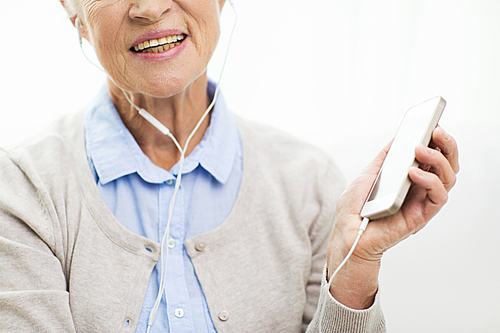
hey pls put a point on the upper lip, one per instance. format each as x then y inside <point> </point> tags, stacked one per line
<point>157,35</point>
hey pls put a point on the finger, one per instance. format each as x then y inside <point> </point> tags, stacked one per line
<point>355,194</point>
<point>439,165</point>
<point>426,167</point>
<point>435,190</point>
<point>375,165</point>
<point>447,145</point>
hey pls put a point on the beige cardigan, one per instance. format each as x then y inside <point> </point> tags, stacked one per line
<point>66,263</point>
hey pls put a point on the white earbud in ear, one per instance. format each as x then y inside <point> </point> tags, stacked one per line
<point>78,30</point>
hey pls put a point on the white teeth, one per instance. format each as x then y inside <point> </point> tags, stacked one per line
<point>152,45</point>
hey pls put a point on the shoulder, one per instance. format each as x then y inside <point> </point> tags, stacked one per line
<point>35,174</point>
<point>295,170</point>
<point>44,160</point>
<point>275,148</point>
<point>47,147</point>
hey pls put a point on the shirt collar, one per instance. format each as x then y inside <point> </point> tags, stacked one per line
<point>114,152</point>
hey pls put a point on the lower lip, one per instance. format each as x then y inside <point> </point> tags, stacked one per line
<point>165,55</point>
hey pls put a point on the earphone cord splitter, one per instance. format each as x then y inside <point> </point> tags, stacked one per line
<point>362,228</point>
<point>163,129</point>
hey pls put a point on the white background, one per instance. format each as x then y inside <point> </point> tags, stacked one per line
<point>339,74</point>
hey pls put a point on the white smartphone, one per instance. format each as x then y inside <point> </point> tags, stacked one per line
<point>389,190</point>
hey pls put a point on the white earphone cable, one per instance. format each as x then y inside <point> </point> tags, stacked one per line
<point>361,229</point>
<point>179,178</point>
<point>163,129</point>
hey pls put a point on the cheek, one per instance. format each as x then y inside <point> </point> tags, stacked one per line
<point>109,51</point>
<point>213,37</point>
<point>210,35</point>
<point>110,57</point>
<point>205,25</point>
<point>105,22</point>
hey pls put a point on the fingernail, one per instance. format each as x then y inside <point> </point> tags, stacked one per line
<point>424,149</point>
<point>446,137</point>
<point>416,171</point>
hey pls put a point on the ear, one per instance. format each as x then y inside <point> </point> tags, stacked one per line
<point>82,30</point>
<point>71,14</point>
<point>221,4</point>
<point>72,17</point>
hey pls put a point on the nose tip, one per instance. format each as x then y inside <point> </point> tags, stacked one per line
<point>149,10</point>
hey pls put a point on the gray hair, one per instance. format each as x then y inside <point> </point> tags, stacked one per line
<point>71,7</point>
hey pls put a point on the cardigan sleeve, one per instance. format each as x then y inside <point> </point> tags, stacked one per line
<point>33,291</point>
<point>339,318</point>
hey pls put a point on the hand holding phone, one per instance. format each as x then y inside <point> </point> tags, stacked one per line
<point>356,284</point>
<point>392,183</point>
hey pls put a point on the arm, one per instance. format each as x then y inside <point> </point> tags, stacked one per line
<point>33,291</point>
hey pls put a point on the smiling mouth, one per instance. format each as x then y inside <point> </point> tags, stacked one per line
<point>158,45</point>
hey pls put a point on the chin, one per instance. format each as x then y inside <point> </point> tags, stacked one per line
<point>163,90</point>
<point>165,86</point>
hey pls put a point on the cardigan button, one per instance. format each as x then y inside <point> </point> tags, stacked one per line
<point>224,315</point>
<point>200,247</point>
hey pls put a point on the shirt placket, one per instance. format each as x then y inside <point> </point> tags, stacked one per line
<point>178,311</point>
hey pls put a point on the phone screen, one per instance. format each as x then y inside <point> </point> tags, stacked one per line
<point>402,151</point>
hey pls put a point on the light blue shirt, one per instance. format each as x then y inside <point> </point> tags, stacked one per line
<point>138,193</point>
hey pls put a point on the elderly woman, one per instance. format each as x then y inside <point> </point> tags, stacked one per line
<point>85,206</point>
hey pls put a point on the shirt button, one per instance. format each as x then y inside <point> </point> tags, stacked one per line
<point>179,313</point>
<point>171,243</point>
<point>224,315</point>
<point>169,182</point>
<point>200,246</point>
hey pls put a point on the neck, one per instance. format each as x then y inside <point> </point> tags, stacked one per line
<point>179,113</point>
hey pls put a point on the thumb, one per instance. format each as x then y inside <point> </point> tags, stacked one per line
<point>355,195</point>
